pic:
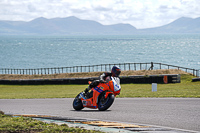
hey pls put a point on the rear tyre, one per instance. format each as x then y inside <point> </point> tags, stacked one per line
<point>77,103</point>
<point>105,103</point>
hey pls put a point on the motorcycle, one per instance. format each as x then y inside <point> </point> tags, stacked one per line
<point>102,96</point>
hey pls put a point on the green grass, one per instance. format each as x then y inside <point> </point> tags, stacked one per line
<point>22,124</point>
<point>186,88</point>
<point>39,91</point>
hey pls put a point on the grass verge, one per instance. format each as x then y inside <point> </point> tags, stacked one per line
<point>186,88</point>
<point>10,124</point>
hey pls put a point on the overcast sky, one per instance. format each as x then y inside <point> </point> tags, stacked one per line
<point>139,13</point>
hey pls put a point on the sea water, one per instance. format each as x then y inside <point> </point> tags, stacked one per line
<point>28,52</point>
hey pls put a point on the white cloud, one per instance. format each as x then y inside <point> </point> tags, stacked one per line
<point>139,13</point>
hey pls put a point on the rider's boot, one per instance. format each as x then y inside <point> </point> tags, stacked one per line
<point>86,91</point>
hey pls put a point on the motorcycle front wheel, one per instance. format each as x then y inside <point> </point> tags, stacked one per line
<point>105,103</point>
<point>77,103</point>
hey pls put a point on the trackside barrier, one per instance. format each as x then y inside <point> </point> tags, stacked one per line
<point>123,80</point>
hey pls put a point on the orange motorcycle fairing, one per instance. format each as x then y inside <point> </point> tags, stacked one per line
<point>103,96</point>
<point>88,103</point>
<point>92,102</point>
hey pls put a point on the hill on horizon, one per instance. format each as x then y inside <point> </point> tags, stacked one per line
<point>75,26</point>
<point>181,25</point>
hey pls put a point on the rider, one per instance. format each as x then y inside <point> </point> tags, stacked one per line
<point>115,72</point>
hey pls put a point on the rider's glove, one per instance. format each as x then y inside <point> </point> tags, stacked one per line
<point>94,83</point>
<point>103,81</point>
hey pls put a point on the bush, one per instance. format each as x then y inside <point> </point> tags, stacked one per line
<point>1,112</point>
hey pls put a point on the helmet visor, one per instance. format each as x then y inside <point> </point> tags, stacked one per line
<point>117,73</point>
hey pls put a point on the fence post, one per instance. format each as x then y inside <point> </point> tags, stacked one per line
<point>58,71</point>
<point>135,66</point>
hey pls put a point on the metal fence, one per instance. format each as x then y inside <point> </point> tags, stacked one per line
<point>97,68</point>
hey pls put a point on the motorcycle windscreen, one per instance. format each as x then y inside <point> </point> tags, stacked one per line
<point>116,83</point>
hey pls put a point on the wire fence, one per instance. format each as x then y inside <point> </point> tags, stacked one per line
<point>97,68</point>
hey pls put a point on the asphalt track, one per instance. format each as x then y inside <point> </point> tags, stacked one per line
<point>181,113</point>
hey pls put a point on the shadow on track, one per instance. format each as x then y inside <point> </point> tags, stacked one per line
<point>90,111</point>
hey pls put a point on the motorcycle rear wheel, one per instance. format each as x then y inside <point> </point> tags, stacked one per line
<point>105,103</point>
<point>77,103</point>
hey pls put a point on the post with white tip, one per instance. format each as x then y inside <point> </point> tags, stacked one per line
<point>154,87</point>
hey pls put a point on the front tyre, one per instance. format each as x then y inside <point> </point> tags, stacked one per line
<point>77,103</point>
<point>105,103</point>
